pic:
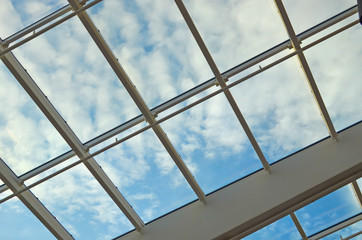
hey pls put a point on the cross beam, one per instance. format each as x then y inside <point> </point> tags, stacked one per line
<point>33,203</point>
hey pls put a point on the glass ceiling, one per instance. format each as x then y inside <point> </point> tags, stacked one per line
<point>167,119</point>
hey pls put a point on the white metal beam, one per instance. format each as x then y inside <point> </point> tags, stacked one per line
<point>260,199</point>
<point>188,94</point>
<point>352,236</point>
<point>336,228</point>
<point>306,69</point>
<point>357,192</point>
<point>221,82</point>
<point>133,92</point>
<point>66,132</point>
<point>32,203</point>
<point>298,226</point>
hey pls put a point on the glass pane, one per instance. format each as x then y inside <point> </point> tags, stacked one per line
<point>212,142</point>
<point>77,79</point>
<point>305,14</point>
<point>27,138</point>
<point>17,222</point>
<point>79,203</point>
<point>235,31</point>
<point>339,78</point>
<point>147,176</point>
<point>280,110</point>
<point>23,13</point>
<point>346,232</point>
<point>283,229</point>
<point>153,44</point>
<point>327,211</point>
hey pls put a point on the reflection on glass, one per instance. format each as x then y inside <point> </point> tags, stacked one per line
<point>283,229</point>
<point>17,222</point>
<point>147,176</point>
<point>280,110</point>
<point>27,138</point>
<point>327,211</point>
<point>79,203</point>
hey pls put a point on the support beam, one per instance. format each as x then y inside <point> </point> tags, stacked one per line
<point>357,192</point>
<point>306,69</point>
<point>188,94</point>
<point>32,203</point>
<point>245,206</point>
<point>298,226</point>
<point>336,227</point>
<point>221,82</point>
<point>352,236</point>
<point>137,98</point>
<point>66,132</point>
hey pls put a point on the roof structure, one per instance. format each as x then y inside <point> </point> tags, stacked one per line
<point>180,119</point>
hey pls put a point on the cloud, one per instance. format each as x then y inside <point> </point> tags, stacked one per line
<point>156,49</point>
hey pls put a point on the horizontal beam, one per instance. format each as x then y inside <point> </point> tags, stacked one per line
<point>352,236</point>
<point>306,69</point>
<point>221,82</point>
<point>186,95</point>
<point>32,203</point>
<point>336,227</point>
<point>259,199</point>
<point>137,98</point>
<point>69,136</point>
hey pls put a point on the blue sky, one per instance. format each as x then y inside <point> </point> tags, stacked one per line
<point>153,44</point>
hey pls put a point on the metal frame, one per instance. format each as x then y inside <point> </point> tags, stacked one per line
<point>338,173</point>
<point>232,214</point>
<point>69,136</point>
<point>305,66</point>
<point>183,97</point>
<point>32,203</point>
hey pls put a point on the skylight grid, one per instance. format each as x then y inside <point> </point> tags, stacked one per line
<point>102,100</point>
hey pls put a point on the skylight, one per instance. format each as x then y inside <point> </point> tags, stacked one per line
<point>115,113</point>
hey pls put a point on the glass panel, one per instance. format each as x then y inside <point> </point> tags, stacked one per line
<point>17,222</point>
<point>213,144</point>
<point>327,211</point>
<point>27,138</point>
<point>235,31</point>
<point>305,14</point>
<point>283,229</point>
<point>346,232</point>
<point>338,78</point>
<point>23,13</point>
<point>79,203</point>
<point>147,176</point>
<point>69,68</point>
<point>280,110</point>
<point>154,46</point>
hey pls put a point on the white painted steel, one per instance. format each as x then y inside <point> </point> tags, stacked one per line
<point>336,228</point>
<point>66,132</point>
<point>192,92</point>
<point>259,199</point>
<point>357,192</point>
<point>298,226</point>
<point>353,235</point>
<point>32,203</point>
<point>221,82</point>
<point>133,92</point>
<point>306,69</point>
